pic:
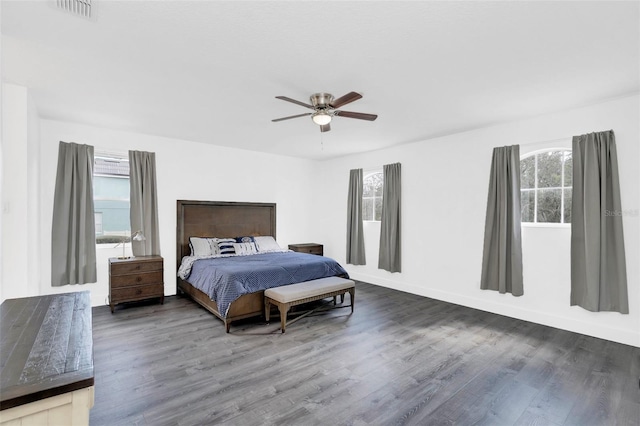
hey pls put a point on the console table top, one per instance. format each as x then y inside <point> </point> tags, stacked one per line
<point>46,347</point>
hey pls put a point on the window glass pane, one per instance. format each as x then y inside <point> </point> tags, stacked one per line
<point>372,185</point>
<point>527,200</point>
<point>568,168</point>
<point>367,188</point>
<point>367,209</point>
<point>110,188</point>
<point>549,205</point>
<point>378,211</point>
<point>110,166</point>
<point>567,205</point>
<point>378,184</point>
<point>527,172</point>
<point>550,169</point>
<point>115,215</point>
<point>111,198</point>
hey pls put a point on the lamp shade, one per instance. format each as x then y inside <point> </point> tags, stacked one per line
<point>138,236</point>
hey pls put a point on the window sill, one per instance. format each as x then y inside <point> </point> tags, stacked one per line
<point>545,225</point>
<point>109,246</point>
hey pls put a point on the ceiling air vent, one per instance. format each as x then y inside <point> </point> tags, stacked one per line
<point>82,8</point>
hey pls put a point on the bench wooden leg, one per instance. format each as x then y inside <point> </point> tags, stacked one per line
<point>267,309</point>
<point>283,316</point>
<point>352,293</point>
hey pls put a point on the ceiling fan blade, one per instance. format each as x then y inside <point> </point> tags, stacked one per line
<point>325,127</point>
<point>358,115</point>
<point>348,98</point>
<point>284,98</point>
<point>291,116</point>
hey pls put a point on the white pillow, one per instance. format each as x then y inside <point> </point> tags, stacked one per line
<point>265,244</point>
<point>245,248</point>
<point>203,246</point>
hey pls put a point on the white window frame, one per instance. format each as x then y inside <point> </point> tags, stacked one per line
<point>536,189</point>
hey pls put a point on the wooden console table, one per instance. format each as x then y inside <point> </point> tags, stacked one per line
<point>46,367</point>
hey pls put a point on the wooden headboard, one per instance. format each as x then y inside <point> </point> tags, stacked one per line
<point>221,219</point>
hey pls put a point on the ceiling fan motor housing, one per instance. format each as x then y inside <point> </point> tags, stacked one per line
<point>321,100</point>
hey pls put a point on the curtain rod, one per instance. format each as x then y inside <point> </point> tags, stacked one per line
<point>570,138</point>
<point>565,139</point>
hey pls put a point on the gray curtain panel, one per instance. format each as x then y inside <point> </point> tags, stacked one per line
<point>390,248</point>
<point>598,267</point>
<point>73,235</point>
<point>144,202</point>
<point>502,254</point>
<point>355,236</point>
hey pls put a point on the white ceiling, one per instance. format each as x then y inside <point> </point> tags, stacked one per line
<point>208,71</point>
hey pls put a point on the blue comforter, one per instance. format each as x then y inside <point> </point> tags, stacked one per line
<point>225,279</point>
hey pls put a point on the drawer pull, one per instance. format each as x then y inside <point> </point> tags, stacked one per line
<point>138,278</point>
<point>139,291</point>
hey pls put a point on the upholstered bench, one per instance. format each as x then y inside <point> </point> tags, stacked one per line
<point>295,294</point>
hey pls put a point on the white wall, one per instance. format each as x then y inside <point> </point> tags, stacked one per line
<point>444,193</point>
<point>19,232</point>
<point>32,172</point>
<point>185,170</point>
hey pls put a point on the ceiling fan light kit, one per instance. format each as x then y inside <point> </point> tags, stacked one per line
<point>325,108</point>
<point>321,118</point>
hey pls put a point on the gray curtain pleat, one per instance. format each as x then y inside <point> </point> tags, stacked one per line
<point>390,247</point>
<point>73,235</point>
<point>502,254</point>
<point>144,202</point>
<point>598,267</point>
<point>355,236</point>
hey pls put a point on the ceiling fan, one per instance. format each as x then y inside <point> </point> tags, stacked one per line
<point>325,107</point>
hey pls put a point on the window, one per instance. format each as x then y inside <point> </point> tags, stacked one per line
<point>372,196</point>
<point>111,198</point>
<point>545,187</point>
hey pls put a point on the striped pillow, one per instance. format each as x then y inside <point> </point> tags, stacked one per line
<point>245,248</point>
<point>225,246</point>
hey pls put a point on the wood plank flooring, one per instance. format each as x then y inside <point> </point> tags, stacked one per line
<point>399,359</point>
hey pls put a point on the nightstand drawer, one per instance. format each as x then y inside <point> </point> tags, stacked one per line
<point>136,279</point>
<point>124,268</point>
<point>136,293</point>
<point>312,250</point>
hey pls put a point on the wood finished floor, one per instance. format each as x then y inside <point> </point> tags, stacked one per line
<point>399,359</point>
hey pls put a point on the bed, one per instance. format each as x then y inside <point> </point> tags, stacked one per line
<point>232,219</point>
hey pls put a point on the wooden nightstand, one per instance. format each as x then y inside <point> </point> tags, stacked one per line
<point>311,248</point>
<point>136,278</point>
